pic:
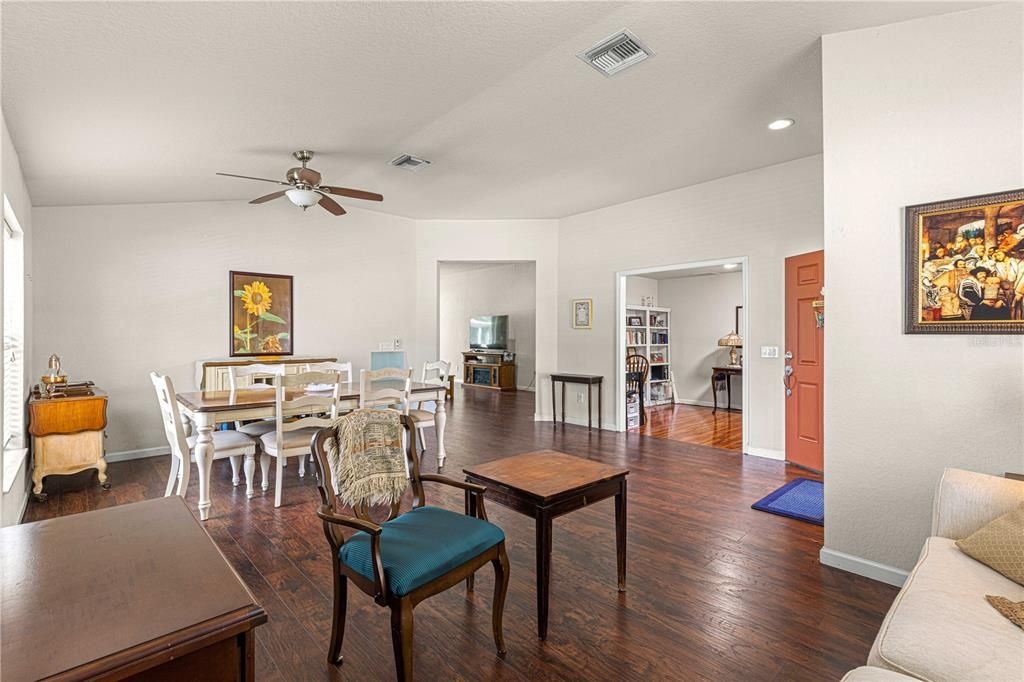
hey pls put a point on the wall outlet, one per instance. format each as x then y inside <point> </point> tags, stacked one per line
<point>398,343</point>
<point>769,351</point>
<point>579,397</point>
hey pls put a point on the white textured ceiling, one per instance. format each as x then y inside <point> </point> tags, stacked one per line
<point>120,102</point>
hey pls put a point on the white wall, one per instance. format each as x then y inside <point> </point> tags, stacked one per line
<point>496,240</point>
<point>703,311</point>
<point>639,288</point>
<point>12,185</point>
<point>920,111</point>
<point>472,289</point>
<point>766,215</point>
<point>125,290</point>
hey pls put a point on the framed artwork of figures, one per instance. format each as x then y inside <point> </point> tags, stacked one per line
<point>582,312</point>
<point>261,314</point>
<point>965,265</point>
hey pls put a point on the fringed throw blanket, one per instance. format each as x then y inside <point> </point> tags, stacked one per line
<point>366,457</point>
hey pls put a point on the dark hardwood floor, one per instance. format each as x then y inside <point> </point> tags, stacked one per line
<point>715,589</point>
<point>695,424</point>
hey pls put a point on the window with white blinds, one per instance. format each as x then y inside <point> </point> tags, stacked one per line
<point>14,337</point>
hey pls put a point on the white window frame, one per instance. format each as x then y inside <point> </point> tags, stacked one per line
<point>14,450</point>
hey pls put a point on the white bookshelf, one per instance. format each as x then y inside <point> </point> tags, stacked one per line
<point>649,340</point>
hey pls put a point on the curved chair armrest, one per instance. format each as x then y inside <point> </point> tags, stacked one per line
<point>350,521</point>
<point>368,527</point>
<point>474,489</point>
<point>465,485</point>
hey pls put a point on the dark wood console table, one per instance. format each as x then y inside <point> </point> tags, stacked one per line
<point>547,484</point>
<point>590,380</point>
<point>717,374</point>
<point>129,592</point>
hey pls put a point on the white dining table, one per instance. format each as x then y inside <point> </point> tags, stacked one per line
<point>207,409</point>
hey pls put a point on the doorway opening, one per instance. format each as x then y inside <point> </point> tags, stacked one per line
<point>682,329</point>
<point>487,324</point>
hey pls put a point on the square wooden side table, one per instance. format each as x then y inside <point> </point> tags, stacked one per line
<point>547,484</point>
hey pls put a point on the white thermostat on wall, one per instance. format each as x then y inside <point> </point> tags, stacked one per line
<point>769,351</point>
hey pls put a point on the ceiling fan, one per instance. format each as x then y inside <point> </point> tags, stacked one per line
<point>305,188</point>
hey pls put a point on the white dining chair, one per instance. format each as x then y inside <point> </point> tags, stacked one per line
<point>231,444</point>
<point>434,374</point>
<point>344,369</point>
<point>292,436</point>
<point>243,377</point>
<point>397,395</point>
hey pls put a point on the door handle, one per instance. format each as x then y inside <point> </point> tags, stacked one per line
<point>787,376</point>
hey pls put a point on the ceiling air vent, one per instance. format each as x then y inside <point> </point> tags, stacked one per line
<point>409,162</point>
<point>616,53</point>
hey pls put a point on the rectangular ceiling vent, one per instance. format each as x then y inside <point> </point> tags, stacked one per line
<point>616,53</point>
<point>409,162</point>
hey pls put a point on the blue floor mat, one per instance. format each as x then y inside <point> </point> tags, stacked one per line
<point>801,499</point>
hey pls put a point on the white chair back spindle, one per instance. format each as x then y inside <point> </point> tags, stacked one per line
<point>386,396</point>
<point>343,369</point>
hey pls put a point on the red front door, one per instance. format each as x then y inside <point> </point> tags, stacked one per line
<point>805,360</point>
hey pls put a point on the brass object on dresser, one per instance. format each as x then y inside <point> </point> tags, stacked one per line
<point>67,434</point>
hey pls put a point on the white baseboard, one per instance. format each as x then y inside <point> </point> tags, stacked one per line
<point>126,455</point>
<point>605,426</point>
<point>698,403</point>
<point>767,453</point>
<point>528,389</point>
<point>865,567</point>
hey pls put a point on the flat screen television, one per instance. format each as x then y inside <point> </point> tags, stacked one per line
<point>488,332</point>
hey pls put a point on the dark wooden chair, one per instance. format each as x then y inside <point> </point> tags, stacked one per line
<point>636,377</point>
<point>411,556</point>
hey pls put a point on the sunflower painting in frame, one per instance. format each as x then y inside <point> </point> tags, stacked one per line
<point>261,314</point>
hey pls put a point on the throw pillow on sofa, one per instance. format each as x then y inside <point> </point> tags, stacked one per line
<point>999,545</point>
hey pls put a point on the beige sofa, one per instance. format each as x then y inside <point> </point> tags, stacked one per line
<point>940,627</point>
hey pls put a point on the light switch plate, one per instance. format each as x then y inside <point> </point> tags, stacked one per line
<point>769,351</point>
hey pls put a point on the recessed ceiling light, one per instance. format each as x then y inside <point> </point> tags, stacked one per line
<point>781,124</point>
<point>731,266</point>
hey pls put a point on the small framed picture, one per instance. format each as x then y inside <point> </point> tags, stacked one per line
<point>634,321</point>
<point>582,313</point>
<point>657,356</point>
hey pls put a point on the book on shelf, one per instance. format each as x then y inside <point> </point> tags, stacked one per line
<point>636,337</point>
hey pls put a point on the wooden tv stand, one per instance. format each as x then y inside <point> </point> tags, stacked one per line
<point>488,369</point>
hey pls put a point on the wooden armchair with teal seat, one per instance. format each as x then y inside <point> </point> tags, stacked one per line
<point>410,556</point>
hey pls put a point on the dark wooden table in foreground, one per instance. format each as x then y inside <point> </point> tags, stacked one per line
<point>547,484</point>
<point>135,590</point>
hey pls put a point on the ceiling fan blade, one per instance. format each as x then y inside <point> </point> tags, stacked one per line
<point>249,177</point>
<point>309,176</point>
<point>331,205</point>
<point>352,193</point>
<point>268,197</point>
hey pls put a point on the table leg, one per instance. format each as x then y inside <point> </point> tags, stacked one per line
<point>563,403</point>
<point>714,393</point>
<point>620,535</point>
<point>440,418</point>
<point>554,412</point>
<point>543,571</point>
<point>600,407</point>
<point>470,511</point>
<point>204,461</point>
<point>590,412</point>
<point>728,393</point>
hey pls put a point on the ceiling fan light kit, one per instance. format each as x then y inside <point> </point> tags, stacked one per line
<point>303,197</point>
<point>306,190</point>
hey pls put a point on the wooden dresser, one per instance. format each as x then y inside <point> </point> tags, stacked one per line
<point>67,436</point>
<point>212,375</point>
